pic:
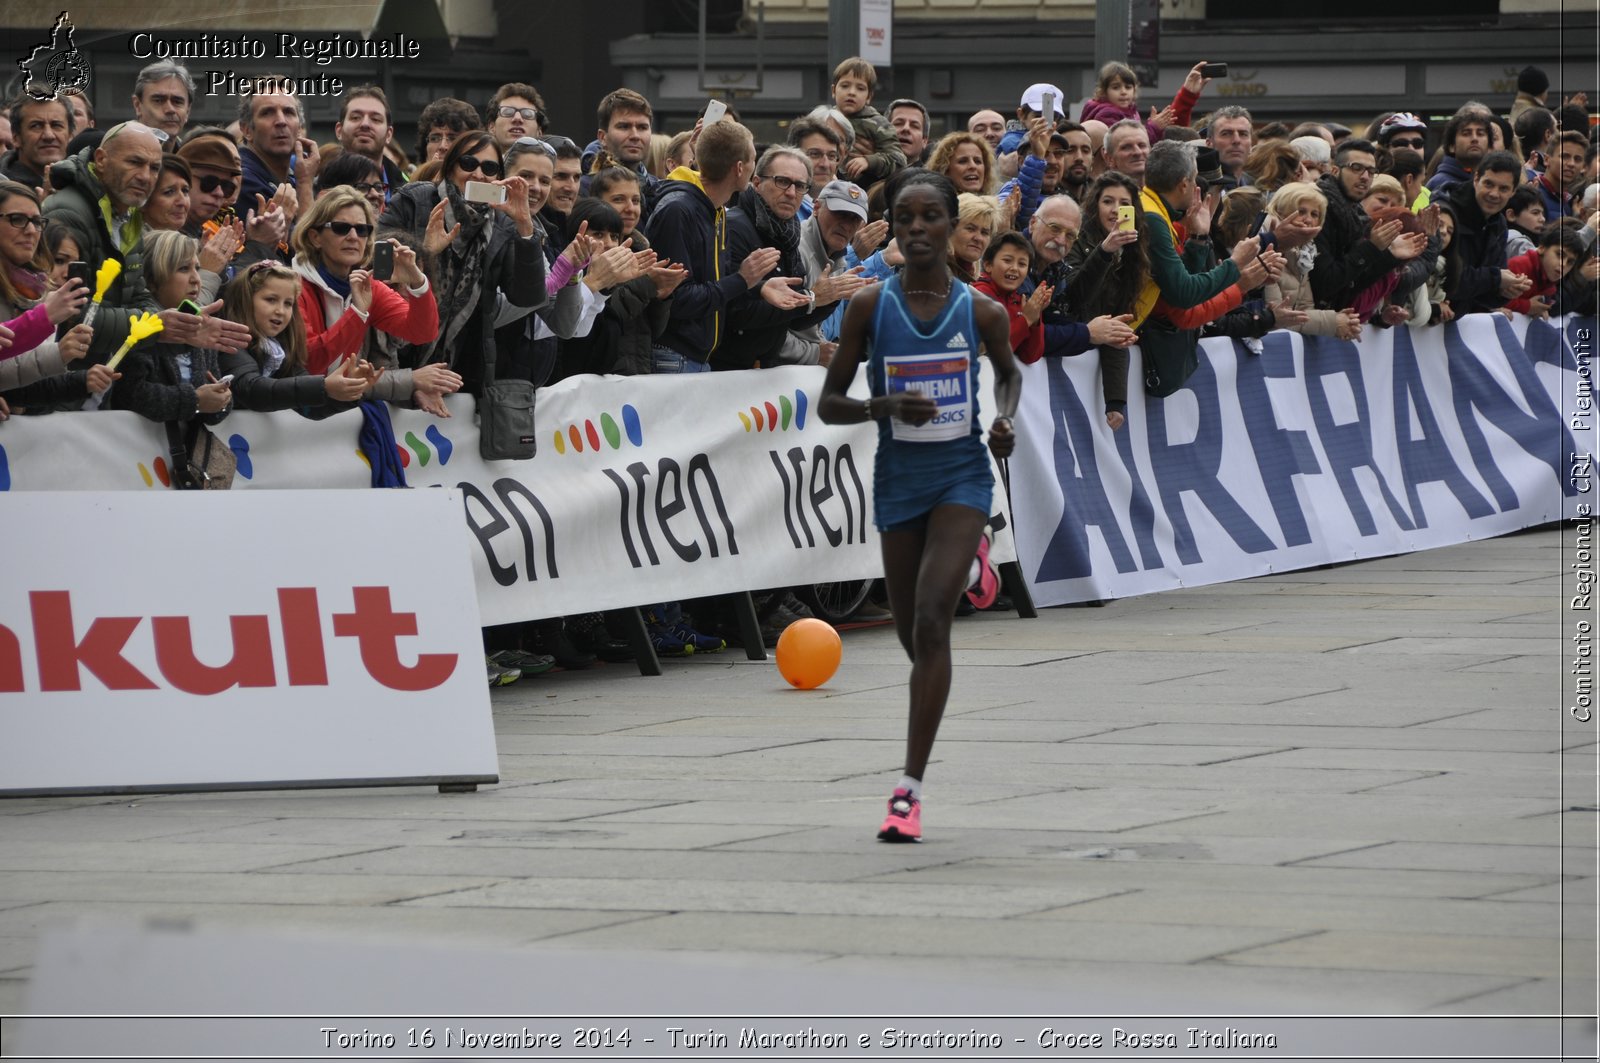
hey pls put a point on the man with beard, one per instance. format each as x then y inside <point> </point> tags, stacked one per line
<point>623,139</point>
<point>764,215</point>
<point>1052,232</point>
<point>102,206</point>
<point>910,121</point>
<point>1483,282</point>
<point>364,129</point>
<point>274,151</point>
<point>1349,258</point>
<point>1466,141</point>
<point>42,129</point>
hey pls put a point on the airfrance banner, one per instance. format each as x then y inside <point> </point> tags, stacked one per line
<point>1314,451</point>
<point>657,488</point>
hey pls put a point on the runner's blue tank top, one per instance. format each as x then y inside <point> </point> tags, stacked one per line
<point>921,466</point>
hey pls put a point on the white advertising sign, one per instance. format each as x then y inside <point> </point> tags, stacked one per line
<point>877,32</point>
<point>214,641</point>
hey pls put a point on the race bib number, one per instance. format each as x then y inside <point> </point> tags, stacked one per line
<point>943,377</point>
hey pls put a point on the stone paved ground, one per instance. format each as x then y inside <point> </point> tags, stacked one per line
<point>1344,790</point>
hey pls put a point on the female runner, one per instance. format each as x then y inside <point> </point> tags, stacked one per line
<point>920,333</point>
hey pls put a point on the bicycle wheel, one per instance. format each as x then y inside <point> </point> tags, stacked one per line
<point>834,602</point>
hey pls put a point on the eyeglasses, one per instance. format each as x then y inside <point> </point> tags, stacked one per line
<point>368,187</point>
<point>138,127</point>
<point>534,144</point>
<point>442,138</point>
<point>472,164</point>
<point>1407,142</point>
<point>343,228</point>
<point>19,220</point>
<point>528,113</point>
<point>1358,167</point>
<point>817,153</point>
<point>1055,228</point>
<point>787,184</point>
<point>209,183</point>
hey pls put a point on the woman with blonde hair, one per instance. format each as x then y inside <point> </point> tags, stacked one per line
<point>968,161</point>
<point>1296,214</point>
<point>349,314</point>
<point>977,220</point>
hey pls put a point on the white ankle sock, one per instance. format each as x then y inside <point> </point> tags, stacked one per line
<point>913,786</point>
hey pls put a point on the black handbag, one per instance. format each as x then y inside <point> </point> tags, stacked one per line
<point>1171,355</point>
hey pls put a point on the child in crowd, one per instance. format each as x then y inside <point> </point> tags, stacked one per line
<point>1116,97</point>
<point>1524,220</point>
<point>271,374</point>
<point>854,82</point>
<point>1005,267</point>
<point>63,250</point>
<point>1561,248</point>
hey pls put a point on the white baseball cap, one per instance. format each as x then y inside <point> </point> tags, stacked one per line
<point>1033,98</point>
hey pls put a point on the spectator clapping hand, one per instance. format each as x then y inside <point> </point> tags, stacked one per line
<point>204,330</point>
<point>1033,306</point>
<point>219,250</point>
<point>869,238</point>
<point>784,292</point>
<point>830,288</point>
<point>435,239</point>
<point>667,277</point>
<point>1349,327</point>
<point>264,225</point>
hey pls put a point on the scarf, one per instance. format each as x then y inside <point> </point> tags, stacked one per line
<point>340,286</point>
<point>30,284</point>
<point>1149,291</point>
<point>271,356</point>
<point>461,269</point>
<point>784,234</point>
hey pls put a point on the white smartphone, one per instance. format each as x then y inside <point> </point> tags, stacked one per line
<point>1049,102</point>
<point>226,380</point>
<point>485,192</point>
<point>716,110</point>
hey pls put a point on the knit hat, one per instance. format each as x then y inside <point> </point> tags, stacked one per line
<point>1533,81</point>
<point>214,150</point>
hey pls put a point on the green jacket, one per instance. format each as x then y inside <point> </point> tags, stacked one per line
<point>887,155</point>
<point>81,204</point>
<point>1192,279</point>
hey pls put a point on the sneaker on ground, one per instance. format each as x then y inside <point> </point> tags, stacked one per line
<point>559,647</point>
<point>795,606</point>
<point>523,662</point>
<point>500,676</point>
<point>904,822</point>
<point>701,643</point>
<point>666,643</point>
<point>870,612</point>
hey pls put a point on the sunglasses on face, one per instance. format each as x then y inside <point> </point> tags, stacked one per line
<point>1406,142</point>
<point>535,144</point>
<point>19,220</point>
<point>473,164</point>
<point>343,228</point>
<point>209,183</point>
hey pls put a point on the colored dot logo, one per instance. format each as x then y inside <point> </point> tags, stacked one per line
<point>5,471</point>
<point>588,435</point>
<point>770,418</point>
<point>441,447</point>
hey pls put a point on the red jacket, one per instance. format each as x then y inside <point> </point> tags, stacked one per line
<point>1027,341</point>
<point>1529,264</point>
<point>412,320</point>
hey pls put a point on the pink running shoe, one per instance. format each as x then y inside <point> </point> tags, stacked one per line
<point>904,822</point>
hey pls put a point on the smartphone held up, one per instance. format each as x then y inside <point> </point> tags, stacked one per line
<point>485,192</point>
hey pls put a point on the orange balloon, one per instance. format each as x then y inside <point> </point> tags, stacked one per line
<point>808,653</point>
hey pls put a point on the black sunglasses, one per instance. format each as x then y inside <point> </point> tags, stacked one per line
<point>1407,143</point>
<point>471,163</point>
<point>342,228</point>
<point>209,183</point>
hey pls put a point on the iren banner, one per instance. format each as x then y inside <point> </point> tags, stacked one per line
<point>1315,450</point>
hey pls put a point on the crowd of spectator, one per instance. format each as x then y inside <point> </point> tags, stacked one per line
<point>336,277</point>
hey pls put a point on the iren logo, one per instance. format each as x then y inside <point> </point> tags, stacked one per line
<point>63,656</point>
